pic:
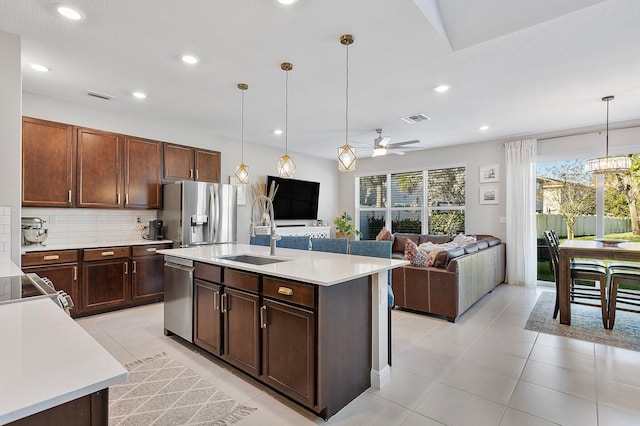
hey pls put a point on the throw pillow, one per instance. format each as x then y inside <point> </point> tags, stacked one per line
<point>384,235</point>
<point>461,240</point>
<point>415,256</point>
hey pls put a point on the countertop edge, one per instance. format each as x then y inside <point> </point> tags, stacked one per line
<point>99,244</point>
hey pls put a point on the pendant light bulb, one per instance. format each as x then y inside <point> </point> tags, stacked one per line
<point>242,170</point>
<point>346,154</point>
<point>286,166</point>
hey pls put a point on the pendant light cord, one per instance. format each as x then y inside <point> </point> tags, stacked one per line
<point>242,125</point>
<point>346,113</point>
<point>607,137</point>
<point>286,113</point>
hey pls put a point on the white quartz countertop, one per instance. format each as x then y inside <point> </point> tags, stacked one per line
<point>301,265</point>
<point>72,246</point>
<point>8,269</point>
<point>47,359</point>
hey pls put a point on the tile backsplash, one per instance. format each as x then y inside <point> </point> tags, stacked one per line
<point>91,225</point>
<point>5,232</point>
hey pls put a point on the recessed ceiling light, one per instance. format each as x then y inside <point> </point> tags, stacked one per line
<point>287,1</point>
<point>441,89</point>
<point>190,59</point>
<point>70,12</point>
<point>140,95</point>
<point>277,132</point>
<point>483,128</point>
<point>40,68</point>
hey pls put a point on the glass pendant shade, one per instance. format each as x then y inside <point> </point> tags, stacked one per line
<point>605,165</point>
<point>346,159</point>
<point>242,173</point>
<point>286,168</point>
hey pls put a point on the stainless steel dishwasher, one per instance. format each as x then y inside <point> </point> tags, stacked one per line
<point>178,297</point>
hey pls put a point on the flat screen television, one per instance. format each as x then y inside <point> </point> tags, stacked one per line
<point>295,199</point>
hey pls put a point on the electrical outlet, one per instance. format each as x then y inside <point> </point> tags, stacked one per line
<point>138,220</point>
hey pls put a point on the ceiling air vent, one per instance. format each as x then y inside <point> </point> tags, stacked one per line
<point>416,118</point>
<point>100,95</point>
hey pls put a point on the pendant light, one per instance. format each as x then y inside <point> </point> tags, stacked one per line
<point>346,154</point>
<point>608,164</point>
<point>242,171</point>
<point>286,168</point>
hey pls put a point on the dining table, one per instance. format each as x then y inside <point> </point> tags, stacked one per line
<point>604,249</point>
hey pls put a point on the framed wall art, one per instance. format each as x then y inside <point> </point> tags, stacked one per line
<point>490,194</point>
<point>489,174</point>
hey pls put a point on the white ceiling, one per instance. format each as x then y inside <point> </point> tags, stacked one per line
<point>522,67</point>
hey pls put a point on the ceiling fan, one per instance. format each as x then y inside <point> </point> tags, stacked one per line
<point>381,145</point>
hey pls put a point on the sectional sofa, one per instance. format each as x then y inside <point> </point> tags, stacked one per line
<point>458,278</point>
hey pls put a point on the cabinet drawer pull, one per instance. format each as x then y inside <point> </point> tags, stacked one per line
<point>107,253</point>
<point>151,250</point>
<point>190,173</point>
<point>216,301</point>
<point>52,257</point>
<point>69,199</point>
<point>118,198</point>
<point>263,317</point>
<point>75,273</point>
<point>134,267</point>
<point>196,174</point>
<point>223,304</point>
<point>126,268</point>
<point>285,290</point>
<point>126,198</point>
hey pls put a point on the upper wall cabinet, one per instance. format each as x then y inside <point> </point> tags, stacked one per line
<point>47,164</point>
<point>187,163</point>
<point>142,173</point>
<point>99,162</point>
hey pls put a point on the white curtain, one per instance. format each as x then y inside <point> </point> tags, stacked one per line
<point>521,212</point>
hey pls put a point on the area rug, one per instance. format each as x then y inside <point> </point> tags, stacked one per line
<point>586,324</point>
<point>161,391</point>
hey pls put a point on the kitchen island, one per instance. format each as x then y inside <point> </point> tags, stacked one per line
<point>311,325</point>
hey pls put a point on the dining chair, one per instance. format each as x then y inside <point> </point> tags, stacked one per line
<point>579,260</point>
<point>330,245</point>
<point>298,242</point>
<point>381,249</point>
<point>621,298</point>
<point>580,294</point>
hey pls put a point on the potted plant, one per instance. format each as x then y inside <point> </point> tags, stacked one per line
<point>344,227</point>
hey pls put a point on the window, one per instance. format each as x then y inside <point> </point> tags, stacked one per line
<point>406,210</point>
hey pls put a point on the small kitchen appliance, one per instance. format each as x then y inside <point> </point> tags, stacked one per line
<point>155,230</point>
<point>33,231</point>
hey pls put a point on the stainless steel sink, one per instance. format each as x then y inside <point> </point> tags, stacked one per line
<point>254,260</point>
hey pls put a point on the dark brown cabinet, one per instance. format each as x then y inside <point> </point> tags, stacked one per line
<point>188,163</point>
<point>142,173</point>
<point>61,267</point>
<point>106,282</point>
<point>47,164</point>
<point>288,350</point>
<point>240,312</point>
<point>147,273</point>
<point>207,319</point>
<point>99,165</point>
<point>88,410</point>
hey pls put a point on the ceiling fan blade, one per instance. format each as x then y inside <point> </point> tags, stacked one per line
<point>384,142</point>
<point>395,151</point>
<point>403,143</point>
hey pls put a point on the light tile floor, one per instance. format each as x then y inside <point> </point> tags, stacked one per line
<point>483,370</point>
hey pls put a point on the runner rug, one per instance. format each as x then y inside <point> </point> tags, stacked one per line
<point>586,324</point>
<point>161,391</point>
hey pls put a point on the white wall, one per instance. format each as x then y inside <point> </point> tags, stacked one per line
<point>479,219</point>
<point>10,141</point>
<point>262,161</point>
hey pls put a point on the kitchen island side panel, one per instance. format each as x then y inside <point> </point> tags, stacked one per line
<point>344,344</point>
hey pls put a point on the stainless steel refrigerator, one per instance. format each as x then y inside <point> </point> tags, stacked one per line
<point>194,213</point>
<point>199,213</point>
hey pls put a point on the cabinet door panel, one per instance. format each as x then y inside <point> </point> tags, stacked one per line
<point>105,284</point>
<point>207,327</point>
<point>63,276</point>
<point>241,328</point>
<point>147,278</point>
<point>99,161</point>
<point>288,351</point>
<point>207,166</point>
<point>178,162</point>
<point>142,173</point>
<point>47,163</point>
